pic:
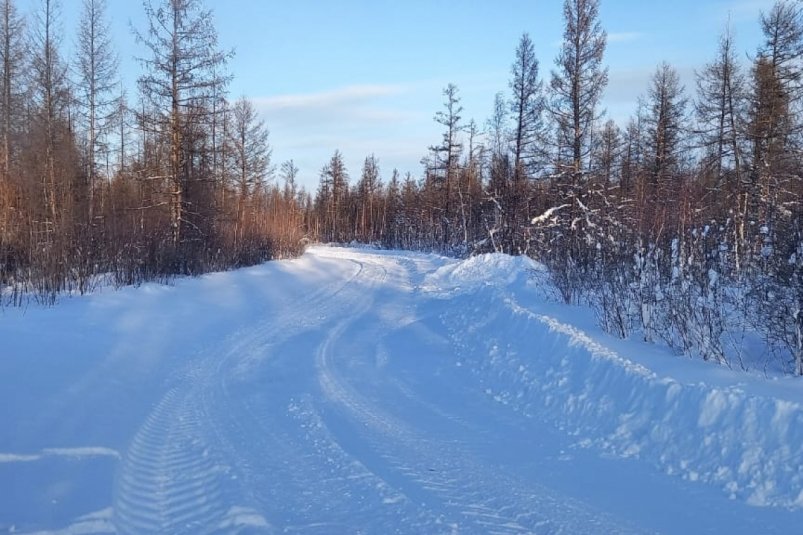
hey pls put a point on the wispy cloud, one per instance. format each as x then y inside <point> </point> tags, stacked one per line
<point>347,108</point>
<point>624,37</point>
<point>354,94</point>
<point>356,119</point>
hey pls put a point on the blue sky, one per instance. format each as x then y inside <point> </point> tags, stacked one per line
<point>365,76</point>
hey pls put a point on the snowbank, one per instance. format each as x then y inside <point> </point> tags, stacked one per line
<point>700,422</point>
<point>491,269</point>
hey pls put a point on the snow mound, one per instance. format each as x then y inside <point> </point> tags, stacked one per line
<point>492,269</point>
<point>703,423</point>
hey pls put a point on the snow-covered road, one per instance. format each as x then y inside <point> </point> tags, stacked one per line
<point>356,391</point>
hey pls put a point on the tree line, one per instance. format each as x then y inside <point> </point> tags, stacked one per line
<point>94,183</point>
<point>682,224</point>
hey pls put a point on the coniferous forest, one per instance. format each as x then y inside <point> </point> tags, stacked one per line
<point>682,226</point>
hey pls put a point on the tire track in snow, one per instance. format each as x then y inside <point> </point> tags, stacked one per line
<point>172,479</point>
<point>475,497</point>
<point>414,458</point>
<point>313,485</point>
<point>276,462</point>
<point>437,479</point>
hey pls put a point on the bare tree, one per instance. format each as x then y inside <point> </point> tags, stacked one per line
<point>719,109</point>
<point>526,107</point>
<point>52,98</point>
<point>250,157</point>
<point>665,130</point>
<point>367,190</point>
<point>183,74</point>
<point>97,79</point>
<point>579,81</point>
<point>332,200</point>
<point>447,154</point>
<point>289,173</point>
<point>12,53</point>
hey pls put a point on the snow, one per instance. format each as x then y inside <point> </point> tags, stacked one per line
<point>75,453</point>
<point>358,390</point>
<point>548,214</point>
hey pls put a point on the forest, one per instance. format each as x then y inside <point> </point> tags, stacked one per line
<point>683,226</point>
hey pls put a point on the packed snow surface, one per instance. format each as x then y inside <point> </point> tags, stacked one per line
<point>356,391</point>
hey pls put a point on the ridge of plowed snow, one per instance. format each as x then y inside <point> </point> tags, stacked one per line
<point>487,269</point>
<point>741,437</point>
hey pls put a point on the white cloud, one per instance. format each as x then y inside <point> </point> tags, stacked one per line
<point>358,120</point>
<point>354,94</point>
<point>350,108</point>
<point>624,37</point>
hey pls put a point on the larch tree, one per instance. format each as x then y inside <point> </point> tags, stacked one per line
<point>497,132</point>
<point>367,190</point>
<point>96,64</point>
<point>666,123</point>
<point>607,154</point>
<point>447,153</point>
<point>497,127</point>
<point>289,174</point>
<point>122,130</point>
<point>13,66</point>
<point>393,223</point>
<point>578,83</point>
<point>782,27</point>
<point>51,99</point>
<point>526,141</point>
<point>719,110</point>
<point>249,156</point>
<point>13,57</point>
<point>634,153</point>
<point>775,101</point>
<point>526,107</point>
<point>332,199</point>
<point>183,75</point>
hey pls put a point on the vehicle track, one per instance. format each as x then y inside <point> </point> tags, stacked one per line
<point>284,426</point>
<point>176,476</point>
<point>474,498</point>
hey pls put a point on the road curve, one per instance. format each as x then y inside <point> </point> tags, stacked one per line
<point>336,416</point>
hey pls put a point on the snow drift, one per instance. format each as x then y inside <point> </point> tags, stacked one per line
<point>700,422</point>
